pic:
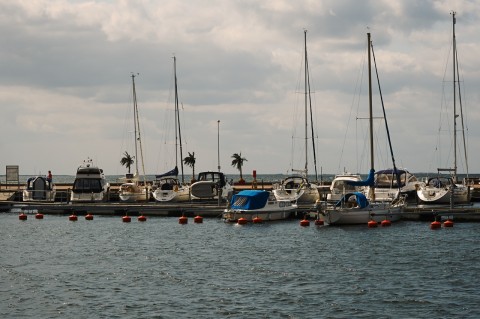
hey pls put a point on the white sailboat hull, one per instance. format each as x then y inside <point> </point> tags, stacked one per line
<point>130,192</point>
<point>182,194</point>
<point>353,216</point>
<point>443,195</point>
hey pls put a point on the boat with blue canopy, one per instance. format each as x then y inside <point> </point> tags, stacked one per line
<point>249,204</point>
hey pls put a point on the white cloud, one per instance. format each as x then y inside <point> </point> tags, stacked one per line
<point>65,86</point>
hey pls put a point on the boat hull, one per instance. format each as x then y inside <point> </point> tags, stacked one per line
<point>131,192</point>
<point>88,197</point>
<point>182,194</point>
<point>354,216</point>
<point>38,196</point>
<point>235,215</point>
<point>209,189</point>
<point>434,195</point>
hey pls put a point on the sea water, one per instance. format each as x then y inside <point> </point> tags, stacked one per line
<point>105,268</point>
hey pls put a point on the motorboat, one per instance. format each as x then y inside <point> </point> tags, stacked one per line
<point>211,185</point>
<point>341,185</point>
<point>251,204</point>
<point>39,188</point>
<point>90,184</point>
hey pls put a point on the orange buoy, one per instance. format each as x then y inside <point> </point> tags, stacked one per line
<point>39,216</point>
<point>89,216</point>
<point>242,221</point>
<point>372,224</point>
<point>183,220</point>
<point>22,216</point>
<point>304,222</point>
<point>73,218</point>
<point>319,222</point>
<point>435,225</point>
<point>142,218</point>
<point>126,219</point>
<point>386,223</point>
<point>257,220</point>
<point>448,223</point>
<point>198,219</point>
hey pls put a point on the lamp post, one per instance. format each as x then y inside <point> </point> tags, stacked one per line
<point>218,143</point>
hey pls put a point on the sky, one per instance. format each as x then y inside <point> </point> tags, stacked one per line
<point>66,83</point>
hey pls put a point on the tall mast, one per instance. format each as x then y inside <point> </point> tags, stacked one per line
<point>135,121</point>
<point>370,111</point>
<point>372,160</point>
<point>454,45</point>
<point>178,137</point>
<point>306,104</point>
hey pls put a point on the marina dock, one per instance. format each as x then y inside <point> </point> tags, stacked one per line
<point>11,201</point>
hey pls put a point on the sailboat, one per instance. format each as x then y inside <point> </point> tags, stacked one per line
<point>358,207</point>
<point>132,190</point>
<point>169,188</point>
<point>297,187</point>
<point>446,189</point>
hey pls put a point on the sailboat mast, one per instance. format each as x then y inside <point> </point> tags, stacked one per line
<point>306,104</point>
<point>454,48</point>
<point>135,121</point>
<point>370,108</point>
<point>178,137</point>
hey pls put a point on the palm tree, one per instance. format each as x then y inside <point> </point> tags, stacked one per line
<point>127,161</point>
<point>238,163</point>
<point>190,161</point>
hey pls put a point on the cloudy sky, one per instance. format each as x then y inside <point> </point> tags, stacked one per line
<point>66,86</point>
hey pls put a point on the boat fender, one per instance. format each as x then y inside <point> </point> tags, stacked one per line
<point>175,188</point>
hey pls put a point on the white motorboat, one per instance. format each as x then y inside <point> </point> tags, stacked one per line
<point>132,190</point>
<point>210,185</point>
<point>446,189</point>
<point>250,204</point>
<point>90,184</point>
<point>39,188</point>
<point>340,186</point>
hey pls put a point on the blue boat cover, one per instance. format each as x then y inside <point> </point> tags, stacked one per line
<point>249,199</point>
<point>368,182</point>
<point>361,199</point>
<point>173,172</point>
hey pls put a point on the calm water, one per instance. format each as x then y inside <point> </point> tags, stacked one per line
<point>54,268</point>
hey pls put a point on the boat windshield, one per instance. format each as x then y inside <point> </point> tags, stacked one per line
<point>87,185</point>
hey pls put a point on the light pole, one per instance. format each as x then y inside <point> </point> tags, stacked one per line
<point>218,143</point>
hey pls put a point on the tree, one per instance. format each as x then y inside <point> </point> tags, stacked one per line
<point>237,162</point>
<point>190,161</point>
<point>127,161</point>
